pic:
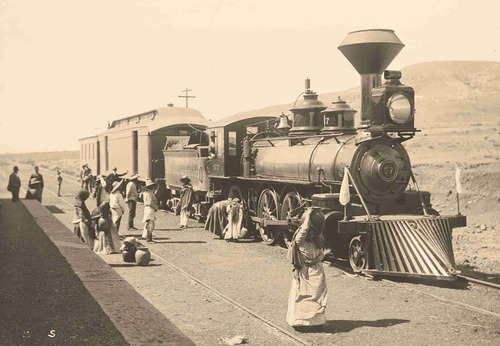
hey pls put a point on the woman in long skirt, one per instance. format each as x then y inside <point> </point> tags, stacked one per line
<point>150,208</point>
<point>187,197</point>
<point>308,294</point>
<point>108,241</point>
<point>83,220</point>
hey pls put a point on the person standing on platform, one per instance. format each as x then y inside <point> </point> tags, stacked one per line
<point>187,197</point>
<point>100,193</point>
<point>150,208</point>
<point>83,220</point>
<point>308,294</point>
<point>112,177</point>
<point>107,241</point>
<point>131,195</point>
<point>38,185</point>
<point>82,174</point>
<point>14,184</point>
<point>87,178</point>
<point>117,204</point>
<point>59,182</point>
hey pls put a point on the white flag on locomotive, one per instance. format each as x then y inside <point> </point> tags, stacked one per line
<point>458,173</point>
<point>345,195</point>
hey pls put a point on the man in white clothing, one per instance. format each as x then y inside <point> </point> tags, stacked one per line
<point>131,199</point>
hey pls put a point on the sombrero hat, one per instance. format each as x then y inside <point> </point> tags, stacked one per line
<point>185,178</point>
<point>149,183</point>
<point>116,185</point>
<point>134,176</point>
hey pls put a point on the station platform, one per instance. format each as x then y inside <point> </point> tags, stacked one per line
<point>55,290</point>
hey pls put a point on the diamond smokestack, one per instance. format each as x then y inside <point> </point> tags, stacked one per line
<point>370,52</point>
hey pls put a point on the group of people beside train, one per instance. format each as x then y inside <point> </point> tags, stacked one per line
<point>99,229</point>
<point>113,194</point>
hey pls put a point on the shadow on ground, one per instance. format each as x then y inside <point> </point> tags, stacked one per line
<point>178,241</point>
<point>54,210</point>
<point>344,326</point>
<point>123,265</point>
<point>471,271</point>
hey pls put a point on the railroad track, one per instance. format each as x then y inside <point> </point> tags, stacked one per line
<point>480,282</point>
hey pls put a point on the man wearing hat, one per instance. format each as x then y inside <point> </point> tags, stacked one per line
<point>59,182</point>
<point>117,204</point>
<point>150,208</point>
<point>14,184</point>
<point>36,184</point>
<point>131,196</point>
<point>187,197</point>
<point>112,177</point>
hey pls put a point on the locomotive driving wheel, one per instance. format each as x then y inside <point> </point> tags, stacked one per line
<point>290,206</point>
<point>267,209</point>
<point>357,254</point>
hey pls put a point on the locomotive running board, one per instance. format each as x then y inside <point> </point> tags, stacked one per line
<point>420,247</point>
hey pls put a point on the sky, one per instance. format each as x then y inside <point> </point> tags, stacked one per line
<point>68,67</point>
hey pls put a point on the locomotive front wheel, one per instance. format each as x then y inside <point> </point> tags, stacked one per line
<point>357,254</point>
<point>267,208</point>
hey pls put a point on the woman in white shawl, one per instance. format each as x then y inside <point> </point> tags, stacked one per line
<point>117,204</point>
<point>150,208</point>
<point>308,293</point>
<point>107,241</point>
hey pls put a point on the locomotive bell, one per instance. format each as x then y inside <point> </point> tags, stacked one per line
<point>370,52</point>
<point>307,114</point>
<point>339,117</point>
<point>283,124</point>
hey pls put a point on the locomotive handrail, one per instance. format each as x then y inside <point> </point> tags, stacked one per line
<point>359,194</point>
<point>310,157</point>
<point>424,208</point>
<point>282,138</point>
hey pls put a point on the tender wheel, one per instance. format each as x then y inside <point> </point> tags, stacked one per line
<point>267,208</point>
<point>290,206</point>
<point>357,254</point>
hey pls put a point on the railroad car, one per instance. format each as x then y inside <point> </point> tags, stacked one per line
<point>211,159</point>
<point>135,143</point>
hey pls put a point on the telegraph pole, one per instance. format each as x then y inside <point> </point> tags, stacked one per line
<point>187,96</point>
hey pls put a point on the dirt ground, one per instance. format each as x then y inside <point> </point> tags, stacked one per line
<point>475,149</point>
<point>360,311</point>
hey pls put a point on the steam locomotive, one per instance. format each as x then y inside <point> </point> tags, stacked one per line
<point>388,227</point>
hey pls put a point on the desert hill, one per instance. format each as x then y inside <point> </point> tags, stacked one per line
<point>445,91</point>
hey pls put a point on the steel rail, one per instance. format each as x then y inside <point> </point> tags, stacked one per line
<point>449,301</point>
<point>480,282</point>
<point>231,301</point>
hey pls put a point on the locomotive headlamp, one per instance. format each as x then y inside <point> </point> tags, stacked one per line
<point>400,108</point>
